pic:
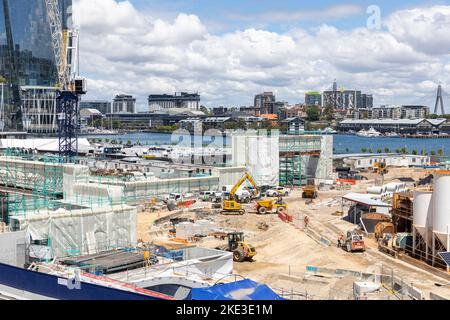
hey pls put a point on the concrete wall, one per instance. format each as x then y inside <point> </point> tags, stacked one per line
<point>229,176</point>
<point>324,170</point>
<point>12,248</point>
<point>259,153</point>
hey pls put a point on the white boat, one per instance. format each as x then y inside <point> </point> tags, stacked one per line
<point>371,133</point>
<point>392,134</point>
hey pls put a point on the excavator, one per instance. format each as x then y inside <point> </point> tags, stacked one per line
<point>232,206</point>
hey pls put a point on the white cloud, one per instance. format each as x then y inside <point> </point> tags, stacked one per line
<point>124,50</point>
<point>425,29</point>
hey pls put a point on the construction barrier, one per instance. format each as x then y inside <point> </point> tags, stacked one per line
<point>347,181</point>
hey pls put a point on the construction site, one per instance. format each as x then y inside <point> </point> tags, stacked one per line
<point>267,216</point>
<point>287,218</point>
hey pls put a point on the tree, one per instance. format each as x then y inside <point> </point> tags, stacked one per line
<point>363,149</point>
<point>414,152</point>
<point>404,150</point>
<point>370,150</point>
<point>116,124</point>
<point>441,152</point>
<point>423,152</point>
<point>380,150</point>
<point>328,114</point>
<point>387,150</point>
<point>313,113</point>
<point>433,153</point>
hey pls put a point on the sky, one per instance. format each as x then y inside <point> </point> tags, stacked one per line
<point>230,50</point>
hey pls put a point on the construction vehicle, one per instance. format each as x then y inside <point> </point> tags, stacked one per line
<point>354,242</point>
<point>270,205</point>
<point>310,191</point>
<point>380,168</point>
<point>241,250</point>
<point>232,206</point>
<point>383,228</point>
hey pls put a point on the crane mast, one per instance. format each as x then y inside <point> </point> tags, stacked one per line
<point>64,43</point>
<point>59,42</point>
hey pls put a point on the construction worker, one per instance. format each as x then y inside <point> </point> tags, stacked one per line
<point>306,221</point>
<point>340,240</point>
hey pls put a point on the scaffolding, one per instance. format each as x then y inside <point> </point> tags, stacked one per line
<point>35,183</point>
<point>296,152</point>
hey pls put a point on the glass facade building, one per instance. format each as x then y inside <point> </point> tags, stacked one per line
<point>26,53</point>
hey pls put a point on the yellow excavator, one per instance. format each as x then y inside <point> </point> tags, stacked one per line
<point>231,206</point>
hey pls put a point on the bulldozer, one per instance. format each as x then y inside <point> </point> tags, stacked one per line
<point>241,250</point>
<point>270,205</point>
<point>310,191</point>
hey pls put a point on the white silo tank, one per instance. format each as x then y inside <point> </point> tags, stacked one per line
<point>423,211</point>
<point>441,204</point>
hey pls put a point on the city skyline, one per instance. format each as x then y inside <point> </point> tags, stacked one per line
<point>146,47</point>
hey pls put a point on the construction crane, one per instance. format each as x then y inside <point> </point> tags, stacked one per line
<point>69,87</point>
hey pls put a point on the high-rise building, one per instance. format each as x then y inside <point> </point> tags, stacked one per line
<point>168,101</point>
<point>386,112</point>
<point>124,104</point>
<point>366,101</point>
<point>415,112</point>
<point>313,98</point>
<point>341,99</point>
<point>26,56</point>
<point>264,103</point>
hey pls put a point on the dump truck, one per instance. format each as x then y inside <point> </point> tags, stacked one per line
<point>310,190</point>
<point>270,205</point>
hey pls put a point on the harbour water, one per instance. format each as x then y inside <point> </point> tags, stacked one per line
<point>342,143</point>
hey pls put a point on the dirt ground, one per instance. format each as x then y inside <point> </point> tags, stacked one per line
<point>285,251</point>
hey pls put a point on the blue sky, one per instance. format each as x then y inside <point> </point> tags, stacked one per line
<point>230,15</point>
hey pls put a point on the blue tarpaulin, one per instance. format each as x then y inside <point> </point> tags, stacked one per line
<point>239,290</point>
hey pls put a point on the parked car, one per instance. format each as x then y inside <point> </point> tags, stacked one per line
<point>276,192</point>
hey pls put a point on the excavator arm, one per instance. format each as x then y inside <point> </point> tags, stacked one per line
<point>245,177</point>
